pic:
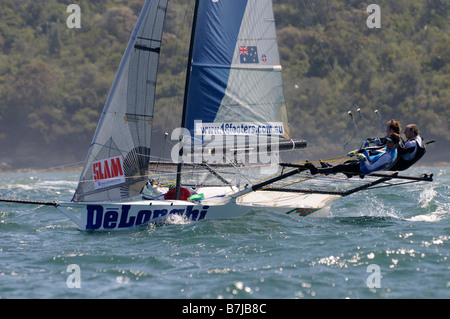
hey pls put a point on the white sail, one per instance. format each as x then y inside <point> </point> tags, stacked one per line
<point>116,166</point>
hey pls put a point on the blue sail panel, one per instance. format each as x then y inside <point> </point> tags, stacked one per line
<point>236,73</point>
<point>218,26</point>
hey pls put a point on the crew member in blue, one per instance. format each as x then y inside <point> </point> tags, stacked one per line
<point>368,161</point>
<point>392,127</point>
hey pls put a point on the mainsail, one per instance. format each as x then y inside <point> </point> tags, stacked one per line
<point>116,166</point>
<point>236,85</point>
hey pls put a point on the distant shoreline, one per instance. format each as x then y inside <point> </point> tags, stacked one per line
<point>436,164</point>
<point>40,170</point>
<point>4,170</point>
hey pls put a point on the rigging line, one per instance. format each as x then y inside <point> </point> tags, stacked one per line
<point>10,191</point>
<point>394,184</point>
<point>364,122</point>
<point>321,42</point>
<point>186,92</point>
<point>337,78</point>
<point>161,176</point>
<point>124,151</point>
<point>236,168</point>
<point>335,158</point>
<point>59,167</point>
<point>331,159</point>
<point>134,177</point>
<point>297,181</point>
<point>45,170</point>
<point>344,48</point>
<point>355,129</point>
<point>383,126</point>
<point>261,185</point>
<point>327,146</point>
<point>176,49</point>
<point>333,71</point>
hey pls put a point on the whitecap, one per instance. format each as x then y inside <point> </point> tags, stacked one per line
<point>426,196</point>
<point>432,217</point>
<point>439,214</point>
<point>174,219</point>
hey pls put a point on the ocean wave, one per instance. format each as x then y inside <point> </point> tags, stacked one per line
<point>427,195</point>
<point>442,212</point>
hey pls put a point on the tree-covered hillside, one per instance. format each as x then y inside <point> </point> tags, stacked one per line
<point>335,63</point>
<point>54,80</point>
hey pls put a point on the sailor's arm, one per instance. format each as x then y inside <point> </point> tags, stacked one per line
<point>410,147</point>
<point>379,164</point>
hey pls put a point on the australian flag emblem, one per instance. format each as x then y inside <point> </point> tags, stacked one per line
<point>248,54</point>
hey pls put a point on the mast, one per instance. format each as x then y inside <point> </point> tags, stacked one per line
<point>186,94</point>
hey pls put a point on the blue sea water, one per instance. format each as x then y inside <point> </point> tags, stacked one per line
<point>388,243</point>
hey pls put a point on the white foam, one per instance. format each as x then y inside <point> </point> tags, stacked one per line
<point>439,214</point>
<point>175,219</point>
<point>426,196</point>
<point>432,217</point>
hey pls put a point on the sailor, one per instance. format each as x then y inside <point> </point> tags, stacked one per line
<point>368,161</point>
<point>184,193</point>
<point>413,150</point>
<point>151,191</point>
<point>392,127</point>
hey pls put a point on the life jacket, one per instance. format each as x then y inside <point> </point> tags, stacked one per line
<point>375,162</point>
<point>184,194</point>
<point>401,164</point>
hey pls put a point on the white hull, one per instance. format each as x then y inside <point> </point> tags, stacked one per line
<point>127,215</point>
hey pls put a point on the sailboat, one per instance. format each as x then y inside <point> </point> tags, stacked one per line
<point>234,91</point>
<point>230,41</point>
